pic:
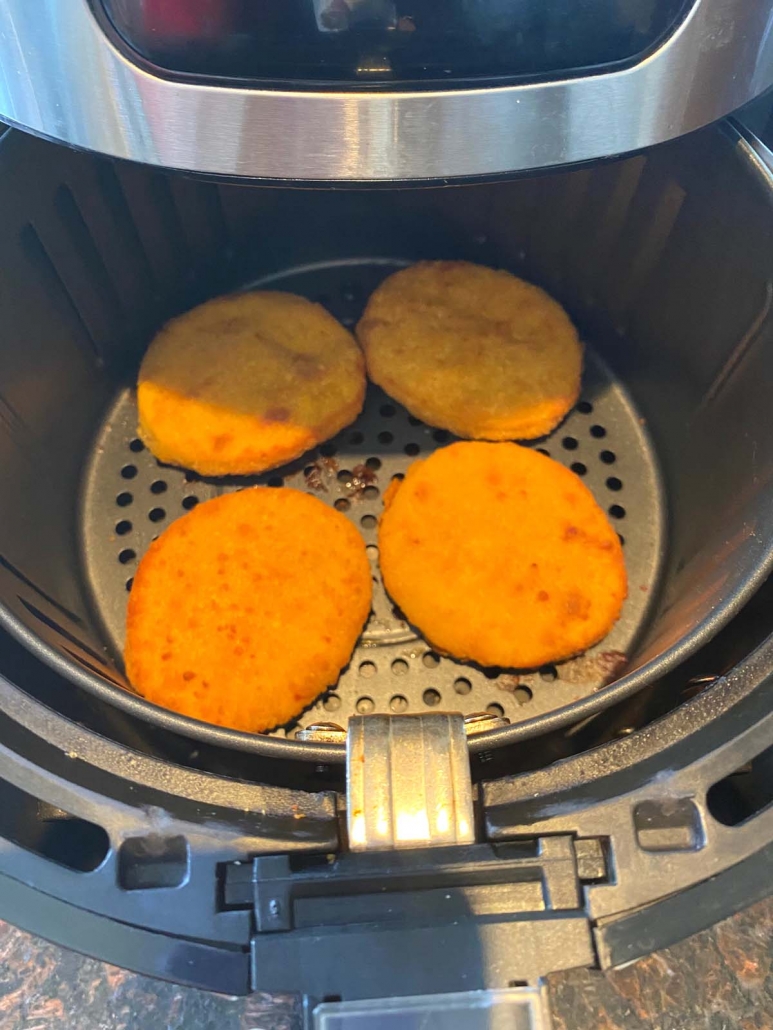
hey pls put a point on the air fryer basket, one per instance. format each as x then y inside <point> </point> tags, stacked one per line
<point>664,261</point>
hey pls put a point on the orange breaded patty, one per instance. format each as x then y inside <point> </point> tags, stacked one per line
<point>247,608</point>
<point>472,349</point>
<point>501,555</point>
<point>247,382</point>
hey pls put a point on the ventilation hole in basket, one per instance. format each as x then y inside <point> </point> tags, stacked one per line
<point>430,660</point>
<point>598,431</point>
<point>431,698</point>
<point>370,493</point>
<point>190,502</point>
<point>462,685</point>
<point>548,673</point>
<point>156,514</point>
<point>522,695</point>
<point>192,477</point>
<point>342,504</point>
<point>569,443</point>
<point>344,476</point>
<point>398,704</point>
<point>398,476</point>
<point>128,471</point>
<point>578,468</point>
<point>411,449</point>
<point>356,437</point>
<point>492,673</point>
<point>365,705</point>
<point>372,552</point>
<point>613,483</point>
<point>617,511</point>
<point>385,437</point>
<point>129,583</point>
<point>399,667</point>
<point>373,463</point>
<point>124,500</point>
<point>368,521</point>
<point>136,446</point>
<point>332,703</point>
<point>387,410</point>
<point>126,556</point>
<point>621,538</point>
<point>367,669</point>
<point>123,527</point>
<point>543,450</point>
<point>585,407</point>
<point>158,487</point>
<point>441,435</point>
<point>327,450</point>
<point>495,709</point>
<point>275,481</point>
<point>415,421</point>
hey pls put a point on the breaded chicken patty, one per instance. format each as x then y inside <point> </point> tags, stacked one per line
<point>473,350</point>
<point>500,555</point>
<point>247,382</point>
<point>247,608</point>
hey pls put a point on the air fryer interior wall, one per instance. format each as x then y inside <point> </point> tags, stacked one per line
<point>663,261</point>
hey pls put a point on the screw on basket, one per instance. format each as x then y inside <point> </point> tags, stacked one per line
<point>322,733</point>
<point>480,722</point>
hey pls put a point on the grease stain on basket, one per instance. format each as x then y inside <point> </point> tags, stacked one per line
<point>320,473</point>
<point>360,483</point>
<point>599,668</point>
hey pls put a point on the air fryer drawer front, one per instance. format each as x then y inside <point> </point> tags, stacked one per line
<point>70,75</point>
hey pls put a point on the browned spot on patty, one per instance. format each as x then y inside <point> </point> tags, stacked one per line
<point>278,414</point>
<point>221,441</point>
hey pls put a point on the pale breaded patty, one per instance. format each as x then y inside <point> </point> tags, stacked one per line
<point>501,555</point>
<point>247,382</point>
<point>473,350</point>
<point>247,608</point>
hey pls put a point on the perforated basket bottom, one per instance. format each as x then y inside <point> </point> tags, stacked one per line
<point>128,498</point>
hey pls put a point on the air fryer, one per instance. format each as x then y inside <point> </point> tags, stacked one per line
<point>600,807</point>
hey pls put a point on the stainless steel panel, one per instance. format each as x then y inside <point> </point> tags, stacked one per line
<point>408,782</point>
<point>61,77</point>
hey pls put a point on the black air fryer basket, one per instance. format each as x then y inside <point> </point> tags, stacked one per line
<point>209,856</point>
<point>672,434</point>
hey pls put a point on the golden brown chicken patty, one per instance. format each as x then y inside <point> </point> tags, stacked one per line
<point>472,349</point>
<point>247,608</point>
<point>501,555</point>
<point>247,382</point>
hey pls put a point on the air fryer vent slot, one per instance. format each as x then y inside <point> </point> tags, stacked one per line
<point>50,832</point>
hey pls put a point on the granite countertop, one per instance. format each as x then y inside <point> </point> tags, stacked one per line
<point>721,979</point>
